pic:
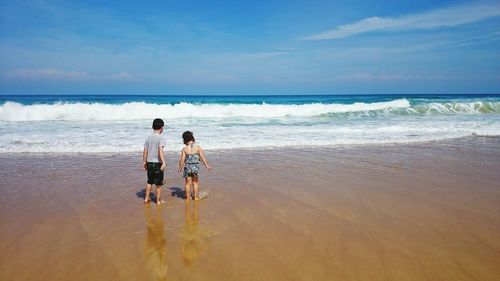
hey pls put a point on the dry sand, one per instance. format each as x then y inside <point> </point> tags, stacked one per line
<point>426,211</point>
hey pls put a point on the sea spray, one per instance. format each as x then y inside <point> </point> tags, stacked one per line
<point>83,124</point>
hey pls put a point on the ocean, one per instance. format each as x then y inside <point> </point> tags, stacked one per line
<point>117,124</point>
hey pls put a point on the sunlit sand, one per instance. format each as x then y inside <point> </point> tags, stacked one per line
<point>426,211</point>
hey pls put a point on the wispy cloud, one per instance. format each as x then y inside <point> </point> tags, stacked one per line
<point>46,74</point>
<point>122,76</point>
<point>364,76</point>
<point>52,74</point>
<point>398,77</point>
<point>264,55</point>
<point>440,18</point>
<point>485,38</point>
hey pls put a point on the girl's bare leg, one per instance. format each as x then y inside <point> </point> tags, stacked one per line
<point>195,187</point>
<point>187,187</point>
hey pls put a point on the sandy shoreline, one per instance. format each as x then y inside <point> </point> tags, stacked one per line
<point>427,211</point>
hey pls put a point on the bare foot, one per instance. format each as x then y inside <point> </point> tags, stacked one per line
<point>147,201</point>
<point>160,202</point>
<point>201,196</point>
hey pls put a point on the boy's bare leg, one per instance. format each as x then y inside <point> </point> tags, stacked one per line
<point>195,187</point>
<point>158,195</point>
<point>147,198</point>
<point>187,187</point>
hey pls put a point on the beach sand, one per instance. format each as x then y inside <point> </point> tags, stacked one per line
<point>428,211</point>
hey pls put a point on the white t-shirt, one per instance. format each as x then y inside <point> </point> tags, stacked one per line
<point>152,143</point>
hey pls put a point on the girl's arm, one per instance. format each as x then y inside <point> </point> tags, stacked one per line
<point>203,159</point>
<point>181,160</point>
<point>162,158</point>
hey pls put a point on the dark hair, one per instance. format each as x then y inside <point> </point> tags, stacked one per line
<point>187,136</point>
<point>157,124</point>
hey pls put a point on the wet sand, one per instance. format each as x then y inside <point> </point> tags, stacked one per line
<point>427,211</point>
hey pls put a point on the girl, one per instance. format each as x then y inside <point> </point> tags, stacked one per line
<point>191,155</point>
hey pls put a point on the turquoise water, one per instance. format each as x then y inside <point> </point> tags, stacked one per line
<point>89,124</point>
<point>276,99</point>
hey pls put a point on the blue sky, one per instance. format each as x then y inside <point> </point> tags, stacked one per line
<point>249,47</point>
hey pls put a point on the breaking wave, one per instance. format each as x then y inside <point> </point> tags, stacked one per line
<point>12,111</point>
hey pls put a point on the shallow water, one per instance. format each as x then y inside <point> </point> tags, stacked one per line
<point>427,211</point>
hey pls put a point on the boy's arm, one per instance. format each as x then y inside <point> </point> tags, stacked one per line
<point>181,161</point>
<point>162,158</point>
<point>203,159</point>
<point>144,158</point>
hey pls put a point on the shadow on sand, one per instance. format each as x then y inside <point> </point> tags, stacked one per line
<point>142,194</point>
<point>178,192</point>
<point>175,191</point>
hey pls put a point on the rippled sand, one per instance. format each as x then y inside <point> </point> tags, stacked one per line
<point>400,212</point>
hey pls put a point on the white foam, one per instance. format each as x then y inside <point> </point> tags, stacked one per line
<point>97,127</point>
<point>12,111</point>
<point>128,136</point>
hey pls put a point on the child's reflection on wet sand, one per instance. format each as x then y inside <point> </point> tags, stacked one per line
<point>192,238</point>
<point>155,246</point>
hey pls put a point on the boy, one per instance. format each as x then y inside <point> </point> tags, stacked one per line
<point>154,160</point>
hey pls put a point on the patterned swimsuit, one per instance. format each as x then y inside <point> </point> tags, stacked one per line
<point>191,164</point>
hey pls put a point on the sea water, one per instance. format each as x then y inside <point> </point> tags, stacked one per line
<point>102,124</point>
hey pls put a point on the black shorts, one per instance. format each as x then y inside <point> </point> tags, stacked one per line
<point>155,175</point>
